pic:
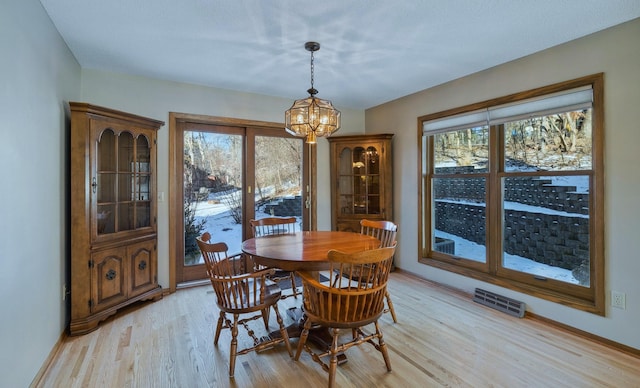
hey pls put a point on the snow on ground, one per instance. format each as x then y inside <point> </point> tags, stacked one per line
<point>220,224</point>
<point>473,251</point>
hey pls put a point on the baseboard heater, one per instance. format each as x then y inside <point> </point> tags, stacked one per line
<point>499,302</point>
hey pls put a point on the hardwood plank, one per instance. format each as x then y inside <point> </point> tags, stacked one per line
<point>443,338</point>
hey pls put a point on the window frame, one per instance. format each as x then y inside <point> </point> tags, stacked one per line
<point>590,299</point>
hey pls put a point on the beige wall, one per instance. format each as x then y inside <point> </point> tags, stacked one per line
<point>156,98</point>
<point>616,52</point>
<point>37,73</point>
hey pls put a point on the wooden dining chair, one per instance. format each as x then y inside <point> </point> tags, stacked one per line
<point>346,304</point>
<point>385,231</point>
<point>244,294</point>
<point>272,226</point>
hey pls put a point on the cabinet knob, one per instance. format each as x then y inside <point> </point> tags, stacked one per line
<point>111,274</point>
<point>94,185</point>
<point>142,265</point>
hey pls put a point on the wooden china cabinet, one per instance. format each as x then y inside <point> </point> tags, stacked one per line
<point>361,180</point>
<point>113,213</point>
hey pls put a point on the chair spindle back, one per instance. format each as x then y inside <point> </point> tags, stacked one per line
<point>273,226</point>
<point>385,231</point>
<point>345,302</point>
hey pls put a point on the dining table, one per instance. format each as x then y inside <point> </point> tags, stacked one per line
<point>305,251</point>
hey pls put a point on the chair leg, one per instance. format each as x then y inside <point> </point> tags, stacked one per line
<point>283,330</point>
<point>383,347</point>
<point>234,346</point>
<point>390,305</point>
<point>303,338</point>
<point>265,318</point>
<point>293,285</point>
<point>219,328</point>
<point>333,362</point>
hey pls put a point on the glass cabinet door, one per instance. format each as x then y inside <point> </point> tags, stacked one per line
<point>359,181</point>
<point>105,184</point>
<point>142,183</point>
<point>123,182</point>
<point>124,187</point>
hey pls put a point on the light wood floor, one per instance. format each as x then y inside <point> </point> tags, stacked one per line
<point>442,339</point>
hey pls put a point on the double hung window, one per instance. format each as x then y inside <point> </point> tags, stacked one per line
<point>512,188</point>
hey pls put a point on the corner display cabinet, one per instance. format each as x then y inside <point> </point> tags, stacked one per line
<point>113,213</point>
<point>361,180</point>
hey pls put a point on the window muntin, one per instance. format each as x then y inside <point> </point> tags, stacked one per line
<point>547,244</point>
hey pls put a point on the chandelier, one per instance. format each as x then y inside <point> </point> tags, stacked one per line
<point>312,117</point>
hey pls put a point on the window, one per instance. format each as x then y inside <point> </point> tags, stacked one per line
<point>512,192</point>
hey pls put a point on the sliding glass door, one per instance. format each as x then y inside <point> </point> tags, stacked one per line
<point>228,175</point>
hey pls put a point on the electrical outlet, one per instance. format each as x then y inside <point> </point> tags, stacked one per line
<point>618,299</point>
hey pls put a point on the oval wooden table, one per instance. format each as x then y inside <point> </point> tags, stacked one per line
<point>306,251</point>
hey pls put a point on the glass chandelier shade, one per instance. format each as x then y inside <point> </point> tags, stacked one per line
<point>312,117</point>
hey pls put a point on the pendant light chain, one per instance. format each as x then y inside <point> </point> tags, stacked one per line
<point>312,90</point>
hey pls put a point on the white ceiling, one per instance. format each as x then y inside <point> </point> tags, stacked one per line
<point>372,51</point>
